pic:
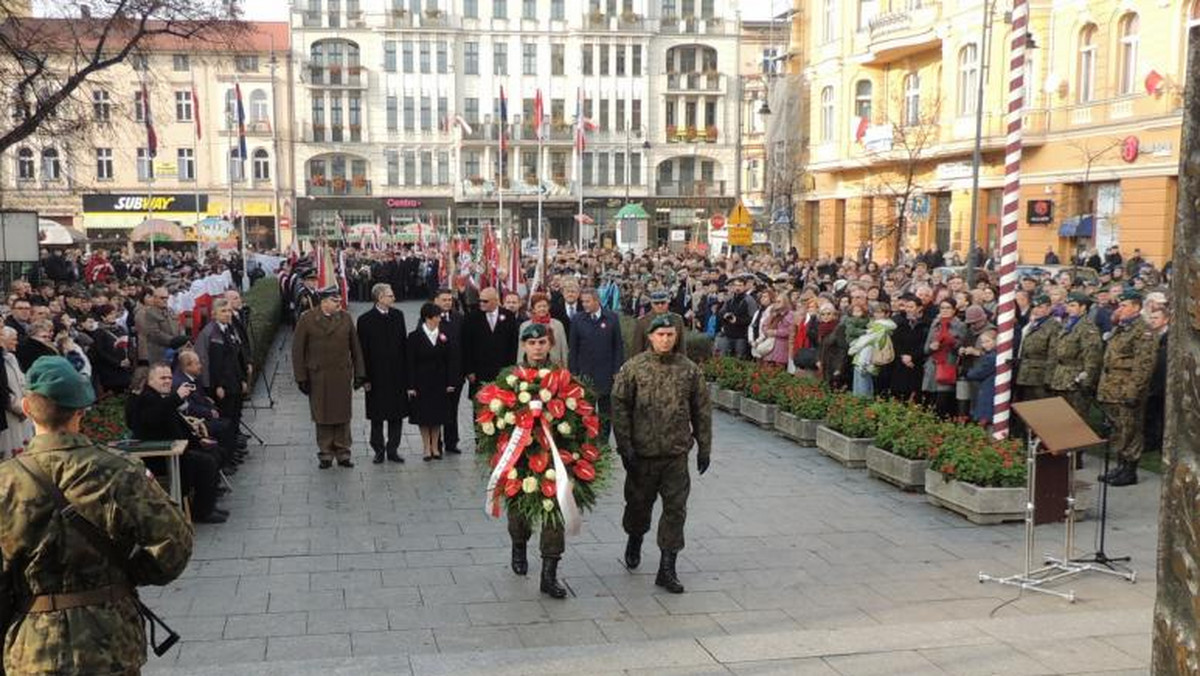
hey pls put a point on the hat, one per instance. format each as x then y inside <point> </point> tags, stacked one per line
<point>662,321</point>
<point>330,291</point>
<point>1131,294</point>
<point>1041,299</point>
<point>1078,297</point>
<point>55,379</point>
<point>659,296</point>
<point>178,342</point>
<point>975,314</point>
<point>534,330</point>
<point>308,273</point>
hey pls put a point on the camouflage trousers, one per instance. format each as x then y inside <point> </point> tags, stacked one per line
<point>649,479</point>
<point>333,441</point>
<point>1127,437</point>
<point>553,542</point>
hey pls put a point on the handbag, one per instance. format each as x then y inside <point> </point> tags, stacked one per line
<point>805,358</point>
<point>882,356</point>
<point>945,373</point>
<point>763,347</point>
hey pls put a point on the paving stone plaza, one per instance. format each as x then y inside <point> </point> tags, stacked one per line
<point>794,565</point>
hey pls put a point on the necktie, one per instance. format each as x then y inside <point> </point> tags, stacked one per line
<point>491,321</point>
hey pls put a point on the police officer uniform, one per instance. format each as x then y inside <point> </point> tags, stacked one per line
<point>660,408</point>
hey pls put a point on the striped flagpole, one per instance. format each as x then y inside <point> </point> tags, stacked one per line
<point>1006,318</point>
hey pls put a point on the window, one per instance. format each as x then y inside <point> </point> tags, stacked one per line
<point>101,105</point>
<point>410,114</point>
<point>604,59</point>
<point>183,106</point>
<point>246,63</point>
<point>181,63</point>
<point>410,167</point>
<point>587,59</point>
<point>103,163</point>
<point>912,100</point>
<point>635,114</point>
<point>618,168</point>
<point>426,66</point>
<point>471,9</point>
<point>471,58</point>
<point>443,168</point>
<point>866,12</point>
<point>601,168</point>
<point>1085,89</point>
<point>262,165</point>
<point>1128,30</point>
<point>557,10</point>
<point>355,118</point>
<point>968,79</point>
<point>426,114</point>
<point>443,113</point>
<point>635,169</point>
<point>620,49</point>
<point>51,168</point>
<point>558,59</point>
<point>529,59</point>
<point>335,119</point>
<point>318,117</point>
<point>827,114</point>
<point>529,9</point>
<point>185,161</point>
<point>471,110</point>
<point>710,113</point>
<point>389,56</point>
<point>139,108</point>
<point>426,168</point>
<point>393,113</point>
<point>587,168</point>
<point>443,58</point>
<point>500,59</point>
<point>335,14</point>
<point>259,111</point>
<point>637,61</point>
<point>471,163</point>
<point>862,99</point>
<point>145,165</point>
<point>603,114</point>
<point>499,9</point>
<point>237,166</point>
<point>25,170</point>
<point>828,19</point>
<point>558,109</point>
<point>620,115</point>
<point>392,158</point>
<point>406,60</point>
<point>139,62</point>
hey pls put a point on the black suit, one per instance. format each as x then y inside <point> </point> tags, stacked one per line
<point>382,338</point>
<point>452,326</point>
<point>558,310</point>
<point>485,349</point>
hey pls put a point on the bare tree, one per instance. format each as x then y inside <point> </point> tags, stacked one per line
<point>45,61</point>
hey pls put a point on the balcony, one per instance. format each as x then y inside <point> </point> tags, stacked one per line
<point>690,25</point>
<point>895,35</point>
<point>311,19</point>
<point>692,134</point>
<point>690,189</point>
<point>694,82</point>
<point>318,186</point>
<point>351,77</point>
<point>626,21</point>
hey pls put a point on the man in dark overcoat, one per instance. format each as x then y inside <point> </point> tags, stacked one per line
<point>489,340</point>
<point>382,335</point>
<point>452,328</point>
<point>327,361</point>
<point>597,351</point>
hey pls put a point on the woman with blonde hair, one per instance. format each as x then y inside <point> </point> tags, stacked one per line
<point>539,313</point>
<point>777,330</point>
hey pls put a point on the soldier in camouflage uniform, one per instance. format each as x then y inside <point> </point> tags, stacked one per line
<point>75,606</point>
<point>1125,384</point>
<point>1074,363</point>
<point>1037,342</point>
<point>660,304</point>
<point>660,408</point>
<point>536,341</point>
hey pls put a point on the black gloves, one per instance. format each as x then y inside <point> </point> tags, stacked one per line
<point>304,387</point>
<point>702,463</point>
<point>359,382</point>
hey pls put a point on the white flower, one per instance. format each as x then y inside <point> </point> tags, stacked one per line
<point>524,397</point>
<point>523,386</point>
<point>572,403</point>
<point>512,473</point>
<point>500,424</point>
<point>550,474</point>
<point>564,428</point>
<point>547,504</point>
<point>510,418</point>
<point>574,456</point>
<point>545,395</point>
<point>496,405</point>
<point>530,484</point>
<point>488,428</point>
<point>542,373</point>
<point>511,380</point>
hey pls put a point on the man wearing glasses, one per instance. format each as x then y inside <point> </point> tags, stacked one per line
<point>156,328</point>
<point>19,318</point>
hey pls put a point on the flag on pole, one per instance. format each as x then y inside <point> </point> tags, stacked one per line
<point>343,283</point>
<point>325,272</point>
<point>241,121</point>
<point>514,279</point>
<point>196,110</point>
<point>582,124</point>
<point>151,137</point>
<point>538,117</point>
<point>461,122</point>
<point>503,122</point>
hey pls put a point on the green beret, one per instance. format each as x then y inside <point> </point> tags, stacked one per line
<point>58,381</point>
<point>1131,294</point>
<point>533,331</point>
<point>659,297</point>
<point>1041,299</point>
<point>662,321</point>
<point>1078,297</point>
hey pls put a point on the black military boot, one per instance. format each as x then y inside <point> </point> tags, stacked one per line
<point>1112,472</point>
<point>378,459</point>
<point>667,579</point>
<point>550,585</point>
<point>1126,475</point>
<point>633,552</point>
<point>520,562</point>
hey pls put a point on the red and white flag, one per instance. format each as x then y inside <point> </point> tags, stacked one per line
<point>151,137</point>
<point>538,117</point>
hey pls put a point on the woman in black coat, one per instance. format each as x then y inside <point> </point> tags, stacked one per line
<point>110,351</point>
<point>908,340</point>
<point>432,374</point>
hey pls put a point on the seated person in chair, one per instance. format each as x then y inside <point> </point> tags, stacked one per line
<point>199,406</point>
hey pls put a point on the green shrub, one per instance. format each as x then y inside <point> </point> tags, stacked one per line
<point>907,430</point>
<point>804,397</point>
<point>969,454</point>
<point>728,373</point>
<point>266,312</point>
<point>766,383</point>
<point>851,416</point>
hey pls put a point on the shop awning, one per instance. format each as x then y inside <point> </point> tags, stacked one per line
<point>632,211</point>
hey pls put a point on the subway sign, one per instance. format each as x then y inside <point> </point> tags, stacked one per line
<point>118,203</point>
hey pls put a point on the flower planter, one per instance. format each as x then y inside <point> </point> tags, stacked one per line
<point>727,400</point>
<point>978,505</point>
<point>757,412</point>
<point>897,470</point>
<point>713,391</point>
<point>800,430</point>
<point>849,451</point>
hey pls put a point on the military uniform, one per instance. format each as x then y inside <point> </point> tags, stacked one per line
<point>1073,364</point>
<point>553,541</point>
<point>327,359</point>
<point>1035,364</point>
<point>660,408</point>
<point>640,344</point>
<point>1124,385</point>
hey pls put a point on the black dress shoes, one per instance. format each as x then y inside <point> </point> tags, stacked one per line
<point>345,462</point>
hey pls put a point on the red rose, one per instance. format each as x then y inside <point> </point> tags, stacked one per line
<point>584,470</point>
<point>589,452</point>
<point>538,462</point>
<point>548,488</point>
<point>512,487</point>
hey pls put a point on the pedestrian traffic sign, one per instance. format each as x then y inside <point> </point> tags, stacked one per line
<point>739,215</point>
<point>717,221</point>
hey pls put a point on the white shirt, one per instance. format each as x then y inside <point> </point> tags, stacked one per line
<point>432,335</point>
<point>491,317</point>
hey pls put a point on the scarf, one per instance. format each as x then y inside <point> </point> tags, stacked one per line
<point>945,341</point>
<point>801,339</point>
<point>826,328</point>
<point>541,320</point>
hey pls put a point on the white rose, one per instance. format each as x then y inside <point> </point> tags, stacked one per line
<point>530,484</point>
<point>524,397</point>
<point>511,380</point>
<point>523,386</point>
<point>547,504</point>
<point>545,395</point>
<point>574,456</point>
<point>564,428</point>
<point>512,473</point>
<point>500,424</point>
<point>550,474</point>
<point>488,428</point>
<point>542,373</point>
<point>572,403</point>
<point>496,405</point>
<point>510,418</point>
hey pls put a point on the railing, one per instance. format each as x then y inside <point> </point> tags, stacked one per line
<point>690,189</point>
<point>690,25</point>
<point>337,186</point>
<point>626,21</point>
<point>337,76</point>
<point>692,134</point>
<point>400,18</point>
<point>694,81</point>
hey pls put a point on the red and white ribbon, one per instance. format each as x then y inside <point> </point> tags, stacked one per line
<point>508,460</point>
<point>572,521</point>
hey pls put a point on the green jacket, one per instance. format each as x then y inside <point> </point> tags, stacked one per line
<point>660,407</point>
<point>1075,351</point>
<point>1036,359</point>
<point>40,554</point>
<point>1128,363</point>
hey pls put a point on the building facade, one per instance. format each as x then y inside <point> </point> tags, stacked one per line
<point>399,108</point>
<point>103,180</point>
<point>894,93</point>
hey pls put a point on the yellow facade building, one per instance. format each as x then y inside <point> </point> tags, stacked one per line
<point>895,87</point>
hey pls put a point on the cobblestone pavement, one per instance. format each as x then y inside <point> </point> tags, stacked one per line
<point>794,565</point>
